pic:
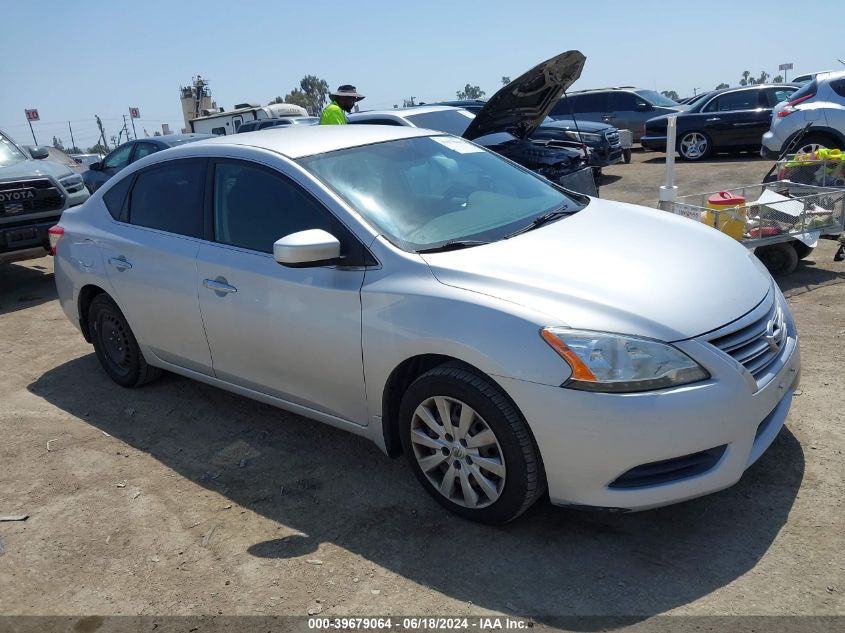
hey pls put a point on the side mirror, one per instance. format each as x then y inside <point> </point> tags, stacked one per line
<point>98,166</point>
<point>644,107</point>
<point>38,152</point>
<point>314,247</point>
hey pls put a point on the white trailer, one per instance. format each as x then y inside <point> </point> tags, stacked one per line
<point>225,123</point>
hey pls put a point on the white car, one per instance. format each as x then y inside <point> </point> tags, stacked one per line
<point>511,338</point>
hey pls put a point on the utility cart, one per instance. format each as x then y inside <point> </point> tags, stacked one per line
<point>781,221</point>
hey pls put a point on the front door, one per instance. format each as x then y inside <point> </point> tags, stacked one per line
<point>293,333</point>
<point>151,261</point>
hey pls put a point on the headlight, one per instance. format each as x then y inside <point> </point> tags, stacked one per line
<point>583,137</point>
<point>621,364</point>
<point>72,183</point>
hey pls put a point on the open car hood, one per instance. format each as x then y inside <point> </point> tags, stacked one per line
<point>521,106</point>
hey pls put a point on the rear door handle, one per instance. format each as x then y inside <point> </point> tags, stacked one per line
<point>715,118</point>
<point>220,287</point>
<point>120,263</point>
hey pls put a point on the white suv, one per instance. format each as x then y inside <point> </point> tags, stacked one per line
<point>820,103</point>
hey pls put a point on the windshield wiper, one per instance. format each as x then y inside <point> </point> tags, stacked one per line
<point>540,220</point>
<point>452,246</point>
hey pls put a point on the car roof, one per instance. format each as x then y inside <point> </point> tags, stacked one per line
<point>176,139</point>
<point>403,112</point>
<point>829,74</point>
<point>307,140</point>
<point>714,93</point>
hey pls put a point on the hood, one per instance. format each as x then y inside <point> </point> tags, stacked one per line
<point>521,106</point>
<point>583,126</point>
<point>616,267</point>
<point>34,168</point>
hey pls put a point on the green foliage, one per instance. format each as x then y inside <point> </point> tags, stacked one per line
<point>670,94</point>
<point>721,85</point>
<point>778,79</point>
<point>471,92</point>
<point>506,80</point>
<point>312,94</point>
<point>99,148</point>
<point>57,143</point>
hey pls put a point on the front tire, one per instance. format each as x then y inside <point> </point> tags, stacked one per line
<point>468,445</point>
<point>694,146</point>
<point>801,249</point>
<point>116,346</point>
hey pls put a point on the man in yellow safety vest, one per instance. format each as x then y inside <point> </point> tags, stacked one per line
<point>343,100</point>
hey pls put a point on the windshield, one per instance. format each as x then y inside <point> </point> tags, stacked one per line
<point>697,101</point>
<point>9,153</point>
<point>424,192</point>
<point>450,121</point>
<point>657,99</point>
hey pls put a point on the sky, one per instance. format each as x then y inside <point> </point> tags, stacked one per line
<point>72,60</point>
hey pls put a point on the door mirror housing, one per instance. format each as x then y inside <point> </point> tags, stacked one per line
<point>38,152</point>
<point>98,166</point>
<point>644,107</point>
<point>314,247</point>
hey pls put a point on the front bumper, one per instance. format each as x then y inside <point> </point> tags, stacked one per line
<point>653,143</point>
<point>605,155</point>
<point>588,441</point>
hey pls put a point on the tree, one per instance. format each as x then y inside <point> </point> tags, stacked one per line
<point>409,103</point>
<point>670,94</point>
<point>745,75</point>
<point>470,92</point>
<point>99,148</point>
<point>505,80</point>
<point>778,79</point>
<point>722,85</point>
<point>763,77</point>
<point>57,143</point>
<point>316,93</point>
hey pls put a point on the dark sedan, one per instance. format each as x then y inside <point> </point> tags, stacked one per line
<point>733,119</point>
<point>98,173</point>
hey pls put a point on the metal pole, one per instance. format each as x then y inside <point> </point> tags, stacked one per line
<point>72,142</point>
<point>31,130</point>
<point>131,118</point>
<point>668,191</point>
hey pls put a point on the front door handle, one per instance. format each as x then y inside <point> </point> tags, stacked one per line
<point>715,118</point>
<point>120,263</point>
<point>219,286</point>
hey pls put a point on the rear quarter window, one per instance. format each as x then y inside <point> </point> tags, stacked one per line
<point>115,199</point>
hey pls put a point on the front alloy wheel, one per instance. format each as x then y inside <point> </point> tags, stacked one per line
<point>457,452</point>
<point>694,146</point>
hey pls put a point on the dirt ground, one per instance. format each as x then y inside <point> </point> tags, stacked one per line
<point>179,498</point>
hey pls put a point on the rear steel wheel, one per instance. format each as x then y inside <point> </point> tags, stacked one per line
<point>458,452</point>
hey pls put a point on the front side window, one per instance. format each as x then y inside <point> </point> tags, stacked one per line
<point>219,131</point>
<point>169,197</point>
<point>119,158</point>
<point>424,192</point>
<point>144,149</point>
<point>254,207</point>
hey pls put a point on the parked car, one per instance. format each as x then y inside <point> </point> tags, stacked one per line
<point>263,124</point>
<point>473,105</point>
<point>820,104</point>
<point>808,77</point>
<point>732,119</point>
<point>625,108</point>
<point>601,139</point>
<point>509,337</point>
<point>33,193</point>
<point>99,172</point>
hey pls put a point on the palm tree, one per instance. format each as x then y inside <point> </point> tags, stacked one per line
<point>763,77</point>
<point>745,75</point>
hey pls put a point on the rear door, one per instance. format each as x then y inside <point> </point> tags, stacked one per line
<point>150,260</point>
<point>591,106</point>
<point>293,333</point>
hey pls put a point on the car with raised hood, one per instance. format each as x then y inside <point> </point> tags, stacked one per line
<point>727,120</point>
<point>505,123</point>
<point>511,338</point>
<point>33,193</point>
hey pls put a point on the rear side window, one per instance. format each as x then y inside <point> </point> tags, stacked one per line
<point>838,87</point>
<point>219,131</point>
<point>592,102</point>
<point>623,102</point>
<point>170,197</point>
<point>742,100</point>
<point>115,199</point>
<point>777,95</point>
<point>807,92</point>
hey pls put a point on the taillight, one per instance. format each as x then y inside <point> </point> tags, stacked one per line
<point>54,233</point>
<point>787,110</point>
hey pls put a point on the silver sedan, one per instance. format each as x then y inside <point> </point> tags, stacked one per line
<point>510,338</point>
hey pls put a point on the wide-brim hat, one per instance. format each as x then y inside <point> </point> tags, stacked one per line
<point>347,90</point>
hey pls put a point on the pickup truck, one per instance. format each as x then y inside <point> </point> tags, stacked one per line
<point>33,194</point>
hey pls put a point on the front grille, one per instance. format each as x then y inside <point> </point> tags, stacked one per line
<point>612,138</point>
<point>759,338</point>
<point>45,196</point>
<point>669,470</point>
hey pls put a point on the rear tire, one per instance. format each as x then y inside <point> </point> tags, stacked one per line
<point>814,142</point>
<point>801,249</point>
<point>779,259</point>
<point>488,469</point>
<point>116,346</point>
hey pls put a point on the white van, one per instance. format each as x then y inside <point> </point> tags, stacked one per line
<point>225,123</point>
